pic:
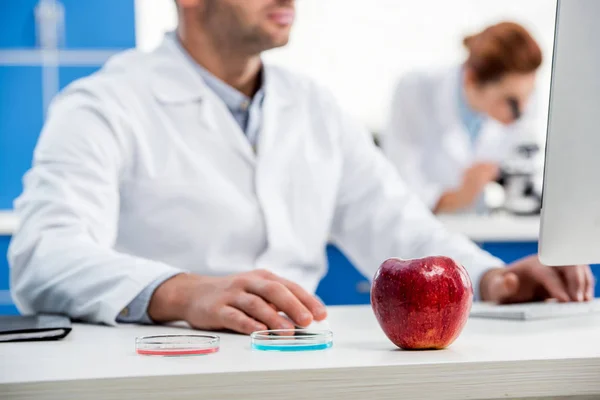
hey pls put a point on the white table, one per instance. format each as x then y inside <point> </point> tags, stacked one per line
<point>493,228</point>
<point>491,360</point>
<point>8,222</point>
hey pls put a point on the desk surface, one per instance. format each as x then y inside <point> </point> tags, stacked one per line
<point>8,222</point>
<point>495,228</point>
<point>491,359</point>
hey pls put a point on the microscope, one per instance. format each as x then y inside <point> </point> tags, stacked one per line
<point>521,173</point>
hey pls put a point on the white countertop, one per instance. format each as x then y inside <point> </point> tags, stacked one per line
<point>8,222</point>
<point>494,228</point>
<point>491,359</point>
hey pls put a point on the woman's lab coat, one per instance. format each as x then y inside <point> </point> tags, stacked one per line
<point>141,171</point>
<point>427,142</point>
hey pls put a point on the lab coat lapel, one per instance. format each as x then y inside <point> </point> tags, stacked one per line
<point>455,139</point>
<point>176,83</point>
<point>277,143</point>
<point>277,117</point>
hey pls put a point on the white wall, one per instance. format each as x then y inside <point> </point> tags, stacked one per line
<point>152,19</point>
<point>358,48</point>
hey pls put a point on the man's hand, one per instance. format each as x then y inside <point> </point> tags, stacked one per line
<point>528,280</point>
<point>243,303</point>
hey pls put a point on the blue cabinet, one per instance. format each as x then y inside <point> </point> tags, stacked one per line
<point>343,284</point>
<point>6,305</point>
<point>510,251</point>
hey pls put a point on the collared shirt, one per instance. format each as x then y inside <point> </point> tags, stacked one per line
<point>471,119</point>
<point>247,112</point>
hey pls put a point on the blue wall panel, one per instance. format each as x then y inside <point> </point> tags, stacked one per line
<point>70,74</point>
<point>21,121</point>
<point>17,24</point>
<point>97,24</point>
<point>89,24</point>
<point>20,124</point>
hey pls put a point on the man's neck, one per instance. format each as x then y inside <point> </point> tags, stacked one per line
<point>240,71</point>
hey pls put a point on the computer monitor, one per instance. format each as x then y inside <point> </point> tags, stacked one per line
<point>570,215</point>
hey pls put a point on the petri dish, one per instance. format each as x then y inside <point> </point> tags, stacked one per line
<point>291,340</point>
<point>177,345</point>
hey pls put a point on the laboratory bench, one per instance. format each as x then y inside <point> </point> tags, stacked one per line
<point>8,224</point>
<point>491,359</point>
<point>506,236</point>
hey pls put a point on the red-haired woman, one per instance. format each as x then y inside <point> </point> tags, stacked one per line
<point>449,130</point>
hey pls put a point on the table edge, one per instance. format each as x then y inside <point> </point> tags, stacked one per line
<point>485,380</point>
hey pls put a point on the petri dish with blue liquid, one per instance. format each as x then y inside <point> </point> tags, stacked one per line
<point>291,340</point>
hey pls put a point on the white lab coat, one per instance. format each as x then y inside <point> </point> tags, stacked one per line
<point>141,170</point>
<point>427,142</point>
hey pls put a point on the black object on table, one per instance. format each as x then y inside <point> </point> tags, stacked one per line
<point>17,328</point>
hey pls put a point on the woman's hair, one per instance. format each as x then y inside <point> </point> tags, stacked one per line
<point>502,49</point>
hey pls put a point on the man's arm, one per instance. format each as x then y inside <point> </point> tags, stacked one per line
<point>62,257</point>
<point>379,217</point>
<point>137,310</point>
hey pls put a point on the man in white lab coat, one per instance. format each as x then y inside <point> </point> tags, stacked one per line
<point>196,183</point>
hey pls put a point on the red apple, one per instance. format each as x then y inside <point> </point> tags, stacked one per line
<point>422,303</point>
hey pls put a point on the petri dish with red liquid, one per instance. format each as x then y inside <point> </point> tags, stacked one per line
<point>177,345</point>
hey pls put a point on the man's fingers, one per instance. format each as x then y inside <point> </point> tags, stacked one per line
<point>284,300</point>
<point>261,311</point>
<point>316,308</point>
<point>576,281</point>
<point>507,286</point>
<point>511,284</point>
<point>235,320</point>
<point>503,286</point>
<point>590,283</point>
<point>548,277</point>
